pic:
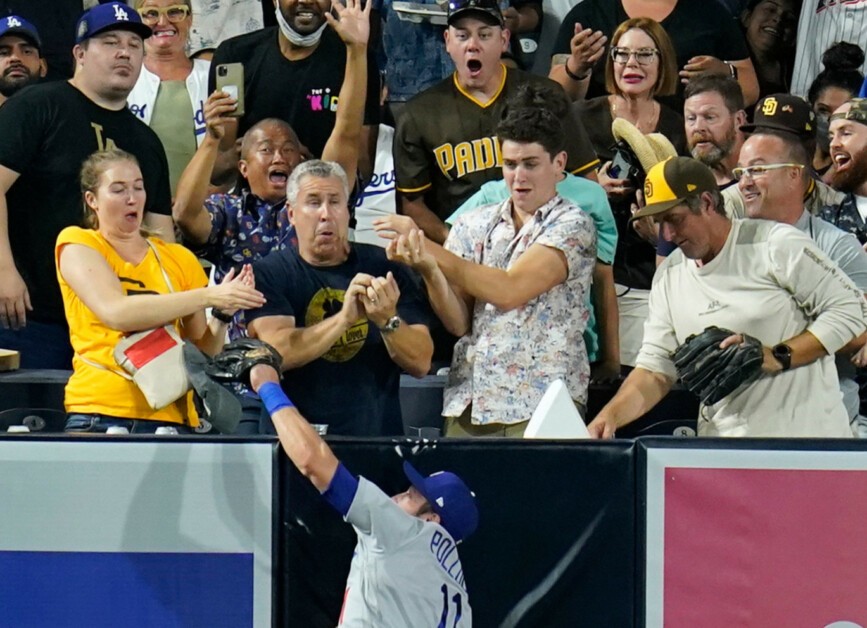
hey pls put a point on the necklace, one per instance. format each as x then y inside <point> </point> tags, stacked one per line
<point>648,125</point>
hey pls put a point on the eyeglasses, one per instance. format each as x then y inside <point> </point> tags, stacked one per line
<point>759,171</point>
<point>644,56</point>
<point>174,13</point>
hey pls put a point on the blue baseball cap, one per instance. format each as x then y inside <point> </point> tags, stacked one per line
<point>110,16</point>
<point>450,499</point>
<point>16,25</point>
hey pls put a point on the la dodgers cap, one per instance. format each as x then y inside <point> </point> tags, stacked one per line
<point>16,25</point>
<point>489,9</point>
<point>110,16</point>
<point>783,112</point>
<point>450,499</point>
<point>857,111</point>
<point>670,182</point>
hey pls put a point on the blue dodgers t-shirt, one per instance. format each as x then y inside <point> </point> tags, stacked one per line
<point>354,386</point>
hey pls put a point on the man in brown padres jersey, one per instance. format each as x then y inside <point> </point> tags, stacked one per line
<point>445,146</point>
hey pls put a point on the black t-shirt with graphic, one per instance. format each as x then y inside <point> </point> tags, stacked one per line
<point>46,133</point>
<point>303,93</point>
<point>354,387</point>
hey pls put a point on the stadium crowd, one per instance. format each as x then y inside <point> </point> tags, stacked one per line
<point>521,193</point>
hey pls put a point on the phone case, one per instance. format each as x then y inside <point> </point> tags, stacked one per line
<point>230,79</point>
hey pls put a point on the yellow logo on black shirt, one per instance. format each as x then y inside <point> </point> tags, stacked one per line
<point>467,157</point>
<point>326,303</point>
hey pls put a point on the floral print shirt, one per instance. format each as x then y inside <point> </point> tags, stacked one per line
<point>506,362</point>
<point>244,228</point>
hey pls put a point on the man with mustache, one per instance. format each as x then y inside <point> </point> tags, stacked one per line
<point>21,61</point>
<point>713,111</point>
<point>46,133</point>
<point>849,154</point>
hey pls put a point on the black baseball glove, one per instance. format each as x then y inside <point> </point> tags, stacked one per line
<point>713,373</point>
<point>233,364</point>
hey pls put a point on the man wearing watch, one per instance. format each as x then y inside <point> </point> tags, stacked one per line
<point>757,277</point>
<point>345,319</point>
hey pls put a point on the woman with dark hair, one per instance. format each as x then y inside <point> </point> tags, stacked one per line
<point>838,82</point>
<point>769,28</point>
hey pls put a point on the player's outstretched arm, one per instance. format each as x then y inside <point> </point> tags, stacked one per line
<point>640,391</point>
<point>305,448</point>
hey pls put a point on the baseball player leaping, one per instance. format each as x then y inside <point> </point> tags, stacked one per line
<point>405,570</point>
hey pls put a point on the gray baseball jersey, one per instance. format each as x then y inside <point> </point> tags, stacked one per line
<point>405,571</point>
<point>822,24</point>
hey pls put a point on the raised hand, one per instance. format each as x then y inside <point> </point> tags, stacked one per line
<point>352,23</point>
<point>217,112</point>
<point>14,299</point>
<point>586,47</point>
<point>703,64</point>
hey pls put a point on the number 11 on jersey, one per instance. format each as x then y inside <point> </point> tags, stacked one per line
<point>456,599</point>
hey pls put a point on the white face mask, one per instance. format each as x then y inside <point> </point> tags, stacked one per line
<point>302,41</point>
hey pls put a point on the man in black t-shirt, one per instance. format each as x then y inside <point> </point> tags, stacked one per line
<point>345,319</point>
<point>294,72</point>
<point>46,132</point>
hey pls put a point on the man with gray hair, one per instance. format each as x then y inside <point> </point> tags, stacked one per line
<point>345,319</point>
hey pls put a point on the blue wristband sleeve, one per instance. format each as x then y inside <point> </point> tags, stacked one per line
<point>341,491</point>
<point>273,397</point>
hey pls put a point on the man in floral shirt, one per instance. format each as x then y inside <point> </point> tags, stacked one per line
<point>511,281</point>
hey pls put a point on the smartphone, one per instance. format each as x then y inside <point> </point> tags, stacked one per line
<point>230,79</point>
<point>620,167</point>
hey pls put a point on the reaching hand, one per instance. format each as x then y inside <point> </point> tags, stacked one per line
<point>217,112</point>
<point>393,226</point>
<point>586,48</point>
<point>352,23</point>
<point>14,299</point>
<point>236,292</point>
<point>601,427</point>
<point>410,250</point>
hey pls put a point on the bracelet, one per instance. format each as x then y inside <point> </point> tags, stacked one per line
<point>732,69</point>
<point>221,316</point>
<point>574,76</point>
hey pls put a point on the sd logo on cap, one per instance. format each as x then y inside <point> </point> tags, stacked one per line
<point>672,182</point>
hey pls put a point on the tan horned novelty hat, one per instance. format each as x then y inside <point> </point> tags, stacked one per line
<point>650,149</point>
